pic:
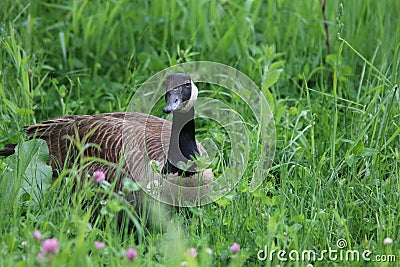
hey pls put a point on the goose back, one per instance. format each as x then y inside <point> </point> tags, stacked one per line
<point>126,139</point>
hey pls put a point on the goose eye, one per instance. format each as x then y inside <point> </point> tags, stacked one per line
<point>187,84</point>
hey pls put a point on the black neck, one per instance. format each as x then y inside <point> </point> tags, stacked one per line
<point>182,145</point>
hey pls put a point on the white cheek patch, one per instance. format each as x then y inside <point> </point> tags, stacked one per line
<point>193,97</point>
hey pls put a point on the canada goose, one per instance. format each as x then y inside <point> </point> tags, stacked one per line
<point>139,140</point>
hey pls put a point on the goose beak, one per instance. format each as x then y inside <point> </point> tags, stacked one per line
<point>173,101</point>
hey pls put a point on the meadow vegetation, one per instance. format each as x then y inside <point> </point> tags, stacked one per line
<point>336,170</point>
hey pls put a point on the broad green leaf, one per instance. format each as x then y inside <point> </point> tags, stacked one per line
<point>359,148</point>
<point>277,65</point>
<point>271,78</point>
<point>24,111</point>
<point>27,175</point>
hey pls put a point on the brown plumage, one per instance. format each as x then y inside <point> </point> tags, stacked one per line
<point>146,136</point>
<point>104,134</point>
<point>8,150</point>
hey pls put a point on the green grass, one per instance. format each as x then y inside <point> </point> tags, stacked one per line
<point>336,171</point>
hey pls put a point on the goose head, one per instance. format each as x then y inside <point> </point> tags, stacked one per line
<point>181,93</point>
